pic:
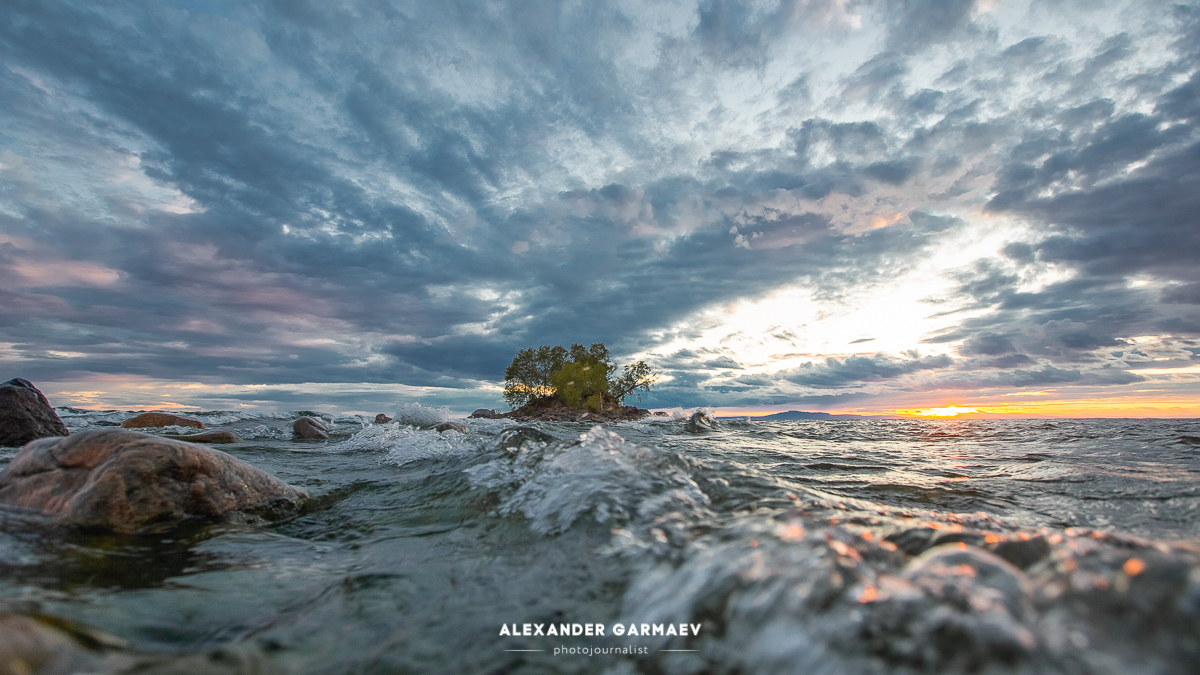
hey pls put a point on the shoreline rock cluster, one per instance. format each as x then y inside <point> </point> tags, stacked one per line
<point>554,409</point>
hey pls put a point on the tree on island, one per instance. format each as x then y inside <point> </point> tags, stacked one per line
<point>582,377</point>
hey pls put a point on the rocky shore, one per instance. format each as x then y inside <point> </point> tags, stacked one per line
<point>553,409</point>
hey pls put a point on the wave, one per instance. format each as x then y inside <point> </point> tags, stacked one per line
<point>553,484</point>
<point>419,415</point>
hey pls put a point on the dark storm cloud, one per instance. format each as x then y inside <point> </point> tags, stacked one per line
<point>410,192</point>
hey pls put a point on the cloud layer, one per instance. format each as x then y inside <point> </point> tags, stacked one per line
<point>278,193</point>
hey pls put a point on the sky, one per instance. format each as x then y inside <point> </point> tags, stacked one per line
<point>876,207</point>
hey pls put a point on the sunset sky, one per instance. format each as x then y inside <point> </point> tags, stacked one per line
<point>849,206</point>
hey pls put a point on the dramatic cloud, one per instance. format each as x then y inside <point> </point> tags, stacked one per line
<point>835,203</point>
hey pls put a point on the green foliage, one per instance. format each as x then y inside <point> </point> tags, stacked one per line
<point>528,376</point>
<point>637,376</point>
<point>585,378</point>
<point>580,376</point>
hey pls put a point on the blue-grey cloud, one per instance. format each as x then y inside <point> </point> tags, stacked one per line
<point>397,192</point>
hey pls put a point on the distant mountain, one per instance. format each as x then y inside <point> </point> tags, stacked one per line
<point>797,415</point>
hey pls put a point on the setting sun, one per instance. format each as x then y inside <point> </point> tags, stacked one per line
<point>947,411</point>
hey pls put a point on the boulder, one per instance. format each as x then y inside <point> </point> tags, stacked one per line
<point>310,428</point>
<point>158,419</point>
<point>382,419</point>
<point>484,413</point>
<point>447,426</point>
<point>26,415</point>
<point>222,436</point>
<point>125,482</point>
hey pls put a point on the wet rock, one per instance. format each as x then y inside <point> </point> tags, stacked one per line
<point>310,428</point>
<point>699,422</point>
<point>956,608</point>
<point>484,413</point>
<point>38,644</point>
<point>913,541</point>
<point>25,414</point>
<point>51,646</point>
<point>158,419</point>
<point>448,426</point>
<point>968,538</point>
<point>382,419</point>
<point>125,481</point>
<point>222,436</point>
<point>1022,552</point>
<point>554,409</point>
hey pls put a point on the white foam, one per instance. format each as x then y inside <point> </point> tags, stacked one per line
<point>418,415</point>
<point>404,444</point>
<point>602,473</point>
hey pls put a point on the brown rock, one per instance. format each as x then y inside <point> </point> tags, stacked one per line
<point>157,419</point>
<point>222,436</point>
<point>125,481</point>
<point>447,426</point>
<point>554,409</point>
<point>310,428</point>
<point>25,414</point>
<point>382,419</point>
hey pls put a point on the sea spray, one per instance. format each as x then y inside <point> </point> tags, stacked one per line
<point>552,484</point>
<point>418,415</point>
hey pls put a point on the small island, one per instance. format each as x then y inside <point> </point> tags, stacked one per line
<point>580,384</point>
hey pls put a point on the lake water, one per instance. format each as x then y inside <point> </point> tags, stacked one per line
<point>790,547</point>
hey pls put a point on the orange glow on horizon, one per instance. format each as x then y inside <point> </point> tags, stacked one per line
<point>946,411</point>
<point>1001,405</point>
<point>1085,407</point>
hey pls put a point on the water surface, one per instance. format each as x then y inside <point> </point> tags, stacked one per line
<point>797,547</point>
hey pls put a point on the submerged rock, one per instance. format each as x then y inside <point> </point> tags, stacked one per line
<point>382,419</point>
<point>448,426</point>
<point>38,644</point>
<point>158,419</point>
<point>25,414</point>
<point>222,436</point>
<point>310,428</point>
<point>125,482</point>
<point>51,646</point>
